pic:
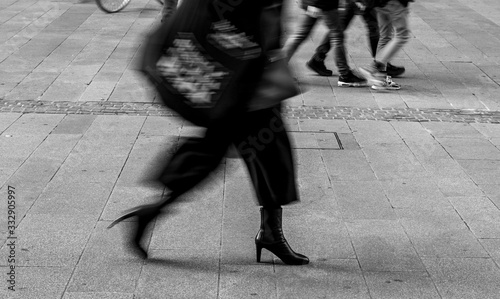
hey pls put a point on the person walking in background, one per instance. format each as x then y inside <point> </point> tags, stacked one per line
<point>327,10</point>
<point>350,9</point>
<point>369,15</point>
<point>392,17</point>
<point>257,130</point>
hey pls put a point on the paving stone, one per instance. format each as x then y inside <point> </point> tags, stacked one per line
<point>104,266</point>
<point>488,130</point>
<point>34,174</point>
<point>7,120</point>
<point>51,241</point>
<point>338,278</point>
<point>348,142</point>
<point>330,239</point>
<point>439,233</point>
<point>191,274</point>
<point>63,55</point>
<point>482,171</point>
<point>470,149</point>
<point>452,186</point>
<point>64,91</point>
<point>394,161</point>
<point>315,189</point>
<point>480,214</point>
<point>74,124</point>
<point>38,282</point>
<point>155,125</point>
<point>464,278</point>
<point>382,245</point>
<point>452,130</point>
<point>241,281</point>
<point>323,125</point>
<point>33,124</point>
<point>90,169</point>
<point>477,82</point>
<point>418,140</point>
<point>414,193</point>
<point>32,87</point>
<point>493,248</point>
<point>371,132</point>
<point>410,131</point>
<point>84,199</point>
<point>492,191</point>
<point>103,295</point>
<point>17,148</point>
<point>400,285</point>
<point>362,200</point>
<point>347,166</point>
<point>306,140</point>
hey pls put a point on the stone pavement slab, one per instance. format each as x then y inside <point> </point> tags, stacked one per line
<point>346,218</point>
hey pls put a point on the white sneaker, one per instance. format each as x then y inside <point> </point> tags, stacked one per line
<point>373,77</point>
<point>386,84</point>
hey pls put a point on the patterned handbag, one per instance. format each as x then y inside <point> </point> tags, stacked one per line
<point>205,61</point>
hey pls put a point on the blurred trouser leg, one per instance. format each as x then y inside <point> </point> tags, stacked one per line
<point>394,31</point>
<point>370,17</point>
<point>265,147</point>
<point>323,48</point>
<point>195,159</point>
<point>261,140</point>
<point>333,23</point>
<point>304,28</point>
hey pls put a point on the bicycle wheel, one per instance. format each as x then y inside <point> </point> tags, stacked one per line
<point>111,6</point>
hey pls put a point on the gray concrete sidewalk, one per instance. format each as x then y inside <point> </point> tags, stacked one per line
<point>400,190</point>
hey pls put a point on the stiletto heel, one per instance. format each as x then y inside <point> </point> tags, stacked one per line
<point>259,251</point>
<point>270,237</point>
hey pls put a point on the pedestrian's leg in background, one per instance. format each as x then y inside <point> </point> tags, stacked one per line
<point>317,62</point>
<point>347,14</point>
<point>305,26</point>
<point>370,17</point>
<point>394,31</point>
<point>346,76</point>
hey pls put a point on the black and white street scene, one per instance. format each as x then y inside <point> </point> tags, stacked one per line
<point>227,149</point>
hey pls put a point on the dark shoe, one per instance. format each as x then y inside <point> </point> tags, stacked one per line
<point>394,71</point>
<point>319,67</point>
<point>145,214</point>
<point>351,80</point>
<point>270,237</point>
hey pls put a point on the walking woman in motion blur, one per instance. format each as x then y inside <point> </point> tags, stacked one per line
<point>252,122</point>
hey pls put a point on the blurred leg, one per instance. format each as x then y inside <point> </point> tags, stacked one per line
<point>305,26</point>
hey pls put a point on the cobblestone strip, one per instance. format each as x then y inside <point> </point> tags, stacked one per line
<point>291,112</point>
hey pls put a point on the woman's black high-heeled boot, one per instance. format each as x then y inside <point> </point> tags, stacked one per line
<point>270,237</point>
<point>145,214</point>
